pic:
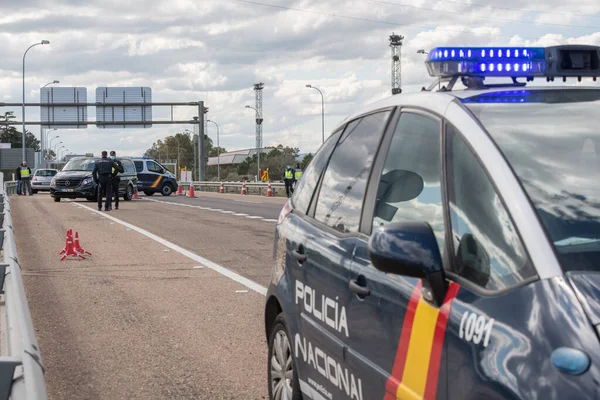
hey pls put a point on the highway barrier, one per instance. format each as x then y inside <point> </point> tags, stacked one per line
<point>252,188</point>
<point>21,368</point>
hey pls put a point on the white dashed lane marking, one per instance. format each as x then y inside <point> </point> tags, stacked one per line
<point>216,210</point>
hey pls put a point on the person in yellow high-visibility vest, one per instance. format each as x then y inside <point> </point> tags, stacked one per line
<point>297,175</point>
<point>26,178</point>
<point>288,179</point>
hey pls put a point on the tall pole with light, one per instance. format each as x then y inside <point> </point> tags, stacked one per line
<point>29,48</point>
<point>218,152</point>
<point>54,149</point>
<point>258,118</point>
<point>322,112</point>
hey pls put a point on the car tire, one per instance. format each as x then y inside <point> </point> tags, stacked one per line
<point>166,190</point>
<point>281,355</point>
<point>56,199</point>
<point>128,193</point>
<point>148,193</point>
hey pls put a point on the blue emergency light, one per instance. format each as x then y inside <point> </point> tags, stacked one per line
<point>527,62</point>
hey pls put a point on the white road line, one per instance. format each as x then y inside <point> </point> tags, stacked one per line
<point>201,260</point>
<point>215,209</point>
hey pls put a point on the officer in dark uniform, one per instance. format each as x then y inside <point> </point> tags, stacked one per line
<point>102,175</point>
<point>116,178</point>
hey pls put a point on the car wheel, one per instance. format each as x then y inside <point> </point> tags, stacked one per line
<point>128,193</point>
<point>148,193</point>
<point>282,373</point>
<point>166,190</point>
<point>56,199</point>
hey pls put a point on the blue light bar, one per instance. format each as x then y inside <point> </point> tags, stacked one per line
<point>487,61</point>
<point>550,62</point>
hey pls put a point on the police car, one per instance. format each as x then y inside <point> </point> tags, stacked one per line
<point>446,244</point>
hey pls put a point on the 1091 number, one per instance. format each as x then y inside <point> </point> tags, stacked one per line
<point>476,328</point>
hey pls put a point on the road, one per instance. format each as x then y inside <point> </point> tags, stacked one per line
<point>170,305</point>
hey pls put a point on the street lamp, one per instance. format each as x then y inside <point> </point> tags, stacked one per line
<point>51,83</point>
<point>218,152</point>
<point>322,112</point>
<point>29,48</point>
<point>45,143</point>
<point>178,166</point>
<point>422,52</point>
<point>64,149</point>
<point>258,151</point>
<point>54,149</point>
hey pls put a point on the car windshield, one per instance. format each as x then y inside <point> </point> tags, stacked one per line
<point>45,172</point>
<point>80,164</point>
<point>551,138</point>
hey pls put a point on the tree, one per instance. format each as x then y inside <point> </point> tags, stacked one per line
<point>275,161</point>
<point>306,160</point>
<point>50,155</point>
<point>12,135</point>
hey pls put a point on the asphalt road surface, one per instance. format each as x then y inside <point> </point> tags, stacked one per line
<point>170,304</point>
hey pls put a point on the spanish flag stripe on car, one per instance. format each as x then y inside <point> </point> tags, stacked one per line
<point>417,363</point>
<point>156,182</point>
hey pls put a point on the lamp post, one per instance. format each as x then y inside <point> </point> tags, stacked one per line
<point>258,151</point>
<point>178,166</point>
<point>58,152</point>
<point>218,152</point>
<point>54,149</point>
<point>51,83</point>
<point>322,112</point>
<point>50,145</point>
<point>46,132</point>
<point>64,149</point>
<point>29,48</point>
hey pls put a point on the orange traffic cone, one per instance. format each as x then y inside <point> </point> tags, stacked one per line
<point>269,190</point>
<point>78,247</point>
<point>244,192</point>
<point>69,234</point>
<point>191,192</point>
<point>222,188</point>
<point>179,191</point>
<point>135,195</point>
<point>69,250</point>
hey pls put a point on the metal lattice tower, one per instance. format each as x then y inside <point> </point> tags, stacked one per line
<point>258,88</point>
<point>396,46</point>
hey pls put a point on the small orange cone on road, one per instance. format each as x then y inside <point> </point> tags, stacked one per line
<point>222,188</point>
<point>179,191</point>
<point>78,247</point>
<point>69,234</point>
<point>191,192</point>
<point>269,190</point>
<point>135,195</point>
<point>244,192</point>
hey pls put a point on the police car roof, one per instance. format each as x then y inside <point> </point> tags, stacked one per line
<point>437,102</point>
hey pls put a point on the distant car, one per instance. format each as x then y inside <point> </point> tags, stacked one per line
<point>40,182</point>
<point>154,177</point>
<point>75,180</point>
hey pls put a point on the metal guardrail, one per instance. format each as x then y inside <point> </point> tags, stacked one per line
<point>252,188</point>
<point>21,368</point>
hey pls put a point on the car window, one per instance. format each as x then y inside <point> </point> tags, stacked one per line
<point>409,186</point>
<point>139,166</point>
<point>344,184</point>
<point>154,167</point>
<point>128,166</point>
<point>306,186</point>
<point>487,247</point>
<point>45,172</point>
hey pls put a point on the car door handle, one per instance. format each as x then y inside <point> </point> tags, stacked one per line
<point>360,290</point>
<point>299,256</point>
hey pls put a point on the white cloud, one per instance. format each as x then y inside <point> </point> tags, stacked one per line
<point>187,50</point>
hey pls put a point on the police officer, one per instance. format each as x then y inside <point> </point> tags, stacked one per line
<point>26,179</point>
<point>288,179</point>
<point>102,175</point>
<point>117,170</point>
<point>297,175</point>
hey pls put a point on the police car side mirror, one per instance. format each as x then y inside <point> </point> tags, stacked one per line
<point>410,249</point>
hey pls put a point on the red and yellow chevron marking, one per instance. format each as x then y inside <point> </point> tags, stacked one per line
<point>156,182</point>
<point>417,364</point>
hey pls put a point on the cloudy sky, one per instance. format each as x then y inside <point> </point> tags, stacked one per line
<point>189,50</point>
